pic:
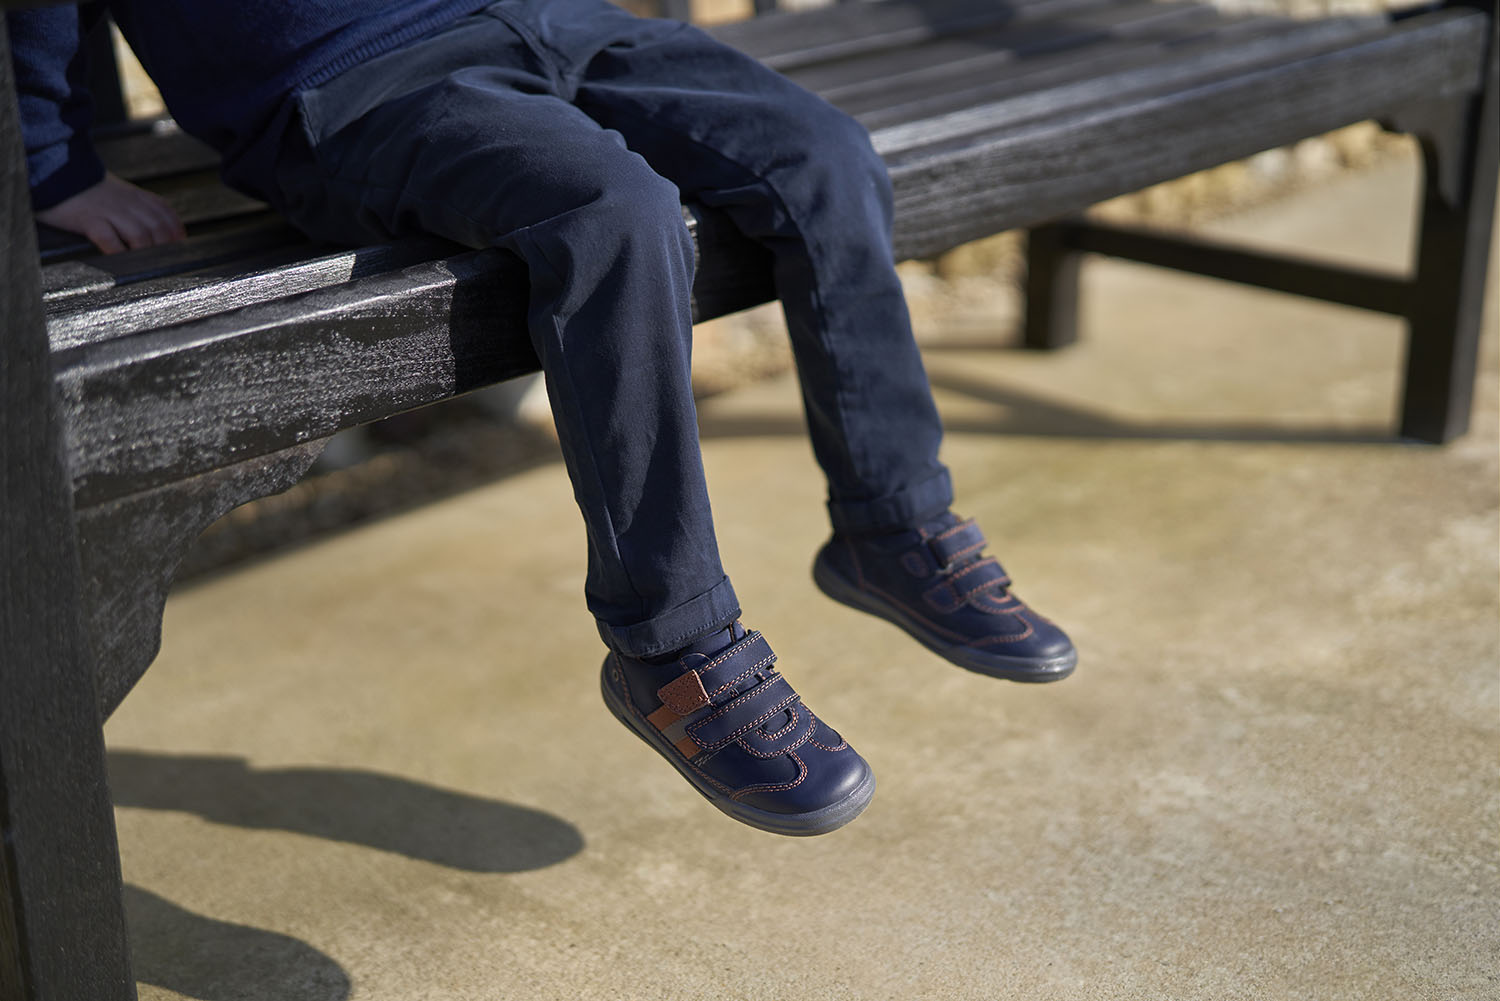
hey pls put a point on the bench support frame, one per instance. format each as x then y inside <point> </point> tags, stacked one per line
<point>1442,303</point>
<point>1460,157</point>
<point>62,926</point>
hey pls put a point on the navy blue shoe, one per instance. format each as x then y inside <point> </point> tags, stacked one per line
<point>731,724</point>
<point>935,583</point>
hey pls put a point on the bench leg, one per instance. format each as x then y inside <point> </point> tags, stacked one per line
<point>62,925</point>
<point>1051,319</point>
<point>1459,146</point>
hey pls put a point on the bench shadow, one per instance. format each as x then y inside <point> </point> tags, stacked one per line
<point>1034,415</point>
<point>386,812</point>
<point>211,960</point>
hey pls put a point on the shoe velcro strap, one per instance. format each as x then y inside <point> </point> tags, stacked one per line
<point>961,585</point>
<point>743,713</point>
<point>789,730</point>
<point>750,653</point>
<point>957,542</point>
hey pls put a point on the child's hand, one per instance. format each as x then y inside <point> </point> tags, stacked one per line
<point>114,215</point>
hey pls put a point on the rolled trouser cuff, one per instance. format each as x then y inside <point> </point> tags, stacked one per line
<point>903,509</point>
<point>673,629</point>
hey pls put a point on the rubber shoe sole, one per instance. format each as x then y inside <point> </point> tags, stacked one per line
<point>797,825</point>
<point>1024,669</point>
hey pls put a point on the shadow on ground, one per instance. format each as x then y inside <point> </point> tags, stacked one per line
<point>1030,414</point>
<point>385,812</point>
<point>210,960</point>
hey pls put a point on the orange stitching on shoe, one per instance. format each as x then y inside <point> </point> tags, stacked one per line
<point>817,743</point>
<point>1008,638</point>
<point>726,790</point>
<point>761,664</point>
<point>729,706</point>
<point>732,650</point>
<point>785,750</point>
<point>953,530</point>
<point>966,595</point>
<point>729,738</point>
<point>623,679</point>
<point>801,774</point>
<point>777,733</point>
<point>767,755</point>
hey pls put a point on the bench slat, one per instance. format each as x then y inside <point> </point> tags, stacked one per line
<point>1005,50</point>
<point>960,189</point>
<point>157,407</point>
<point>791,39</point>
<point>1063,72</point>
<point>107,311</point>
<point>72,283</point>
<point>158,149</point>
<point>1072,85</point>
<point>175,299</point>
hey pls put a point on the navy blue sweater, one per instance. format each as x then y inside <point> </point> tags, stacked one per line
<point>224,68</point>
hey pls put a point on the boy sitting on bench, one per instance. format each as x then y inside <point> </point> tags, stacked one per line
<point>567,132</point>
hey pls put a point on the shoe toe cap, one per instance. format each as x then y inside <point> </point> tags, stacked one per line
<point>828,778</point>
<point>1047,642</point>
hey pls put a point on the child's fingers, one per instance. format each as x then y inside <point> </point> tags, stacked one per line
<point>115,216</point>
<point>133,226</point>
<point>166,224</point>
<point>146,221</point>
<point>102,235</point>
<point>163,224</point>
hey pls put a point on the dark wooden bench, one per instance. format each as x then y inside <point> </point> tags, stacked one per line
<point>145,395</point>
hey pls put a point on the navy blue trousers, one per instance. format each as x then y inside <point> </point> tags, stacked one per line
<point>568,132</point>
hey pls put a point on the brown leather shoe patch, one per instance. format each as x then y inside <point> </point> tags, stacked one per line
<point>685,695</point>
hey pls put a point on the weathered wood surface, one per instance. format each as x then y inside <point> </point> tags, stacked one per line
<point>226,248</point>
<point>259,362</point>
<point>130,550</point>
<point>1071,80</point>
<point>946,65</point>
<point>788,40</point>
<point>955,184</point>
<point>149,409</point>
<point>180,298</point>
<point>156,149</point>
<point>62,932</point>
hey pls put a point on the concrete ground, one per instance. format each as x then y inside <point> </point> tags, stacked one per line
<point>377,767</point>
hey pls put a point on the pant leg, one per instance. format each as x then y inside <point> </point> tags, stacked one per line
<point>802,178</point>
<point>465,137</point>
